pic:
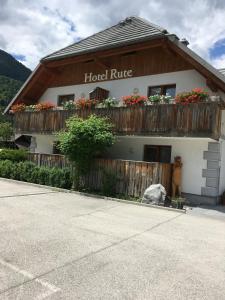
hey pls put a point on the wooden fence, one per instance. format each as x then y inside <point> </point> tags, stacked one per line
<point>196,119</point>
<point>132,177</point>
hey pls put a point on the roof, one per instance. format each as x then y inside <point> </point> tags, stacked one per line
<point>222,71</point>
<point>130,30</point>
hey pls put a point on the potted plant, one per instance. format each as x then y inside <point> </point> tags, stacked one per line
<point>83,103</point>
<point>44,106</point>
<point>110,102</point>
<point>195,96</point>
<point>30,108</point>
<point>69,105</point>
<point>155,99</point>
<point>18,108</point>
<point>166,99</point>
<point>134,100</point>
<point>178,203</point>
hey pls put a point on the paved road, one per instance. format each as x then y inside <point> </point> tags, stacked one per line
<point>64,246</point>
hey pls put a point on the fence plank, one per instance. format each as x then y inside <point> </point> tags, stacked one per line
<point>133,177</point>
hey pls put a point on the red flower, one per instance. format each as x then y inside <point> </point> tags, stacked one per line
<point>134,100</point>
<point>18,107</point>
<point>83,103</point>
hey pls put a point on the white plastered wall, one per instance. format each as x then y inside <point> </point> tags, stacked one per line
<point>132,148</point>
<point>44,143</point>
<point>190,149</point>
<point>222,155</point>
<point>184,80</point>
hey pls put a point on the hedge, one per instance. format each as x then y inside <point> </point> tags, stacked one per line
<point>29,172</point>
<point>15,155</point>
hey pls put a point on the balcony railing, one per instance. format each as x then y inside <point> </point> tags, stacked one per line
<point>192,120</point>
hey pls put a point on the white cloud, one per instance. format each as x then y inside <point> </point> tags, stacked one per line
<point>37,28</point>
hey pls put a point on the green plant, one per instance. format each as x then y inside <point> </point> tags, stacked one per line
<point>155,98</point>
<point>166,99</point>
<point>69,105</point>
<point>109,181</point>
<point>160,99</point>
<point>178,202</point>
<point>110,102</point>
<point>82,139</point>
<point>13,154</point>
<point>29,172</point>
<point>6,131</point>
<point>30,108</point>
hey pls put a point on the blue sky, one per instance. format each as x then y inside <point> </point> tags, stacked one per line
<point>32,29</point>
<point>218,49</point>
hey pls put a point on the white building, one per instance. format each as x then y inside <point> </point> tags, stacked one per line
<point>137,57</point>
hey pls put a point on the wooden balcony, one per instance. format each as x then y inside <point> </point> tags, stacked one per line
<point>192,120</point>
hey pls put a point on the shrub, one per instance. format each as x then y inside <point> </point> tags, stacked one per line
<point>82,140</point>
<point>6,131</point>
<point>15,155</point>
<point>29,172</point>
<point>109,180</point>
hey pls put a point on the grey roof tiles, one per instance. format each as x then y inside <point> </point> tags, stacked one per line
<point>125,32</point>
<point>222,71</point>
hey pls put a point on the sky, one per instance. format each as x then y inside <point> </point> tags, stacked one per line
<point>31,29</point>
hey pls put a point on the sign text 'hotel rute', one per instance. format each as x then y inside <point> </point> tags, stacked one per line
<point>108,75</point>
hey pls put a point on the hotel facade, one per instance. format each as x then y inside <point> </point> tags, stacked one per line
<point>135,57</point>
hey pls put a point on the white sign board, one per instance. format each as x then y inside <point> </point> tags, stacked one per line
<point>108,75</point>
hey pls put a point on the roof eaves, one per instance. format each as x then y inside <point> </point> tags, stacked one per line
<point>21,89</point>
<point>196,57</point>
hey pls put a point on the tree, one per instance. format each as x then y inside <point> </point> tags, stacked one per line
<point>6,131</point>
<point>82,140</point>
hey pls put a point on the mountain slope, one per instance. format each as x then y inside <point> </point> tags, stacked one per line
<point>12,76</point>
<point>12,68</point>
<point>8,89</point>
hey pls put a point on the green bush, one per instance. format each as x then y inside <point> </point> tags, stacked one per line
<point>109,181</point>
<point>29,172</point>
<point>13,154</point>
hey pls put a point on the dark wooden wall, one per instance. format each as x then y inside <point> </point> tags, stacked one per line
<point>144,62</point>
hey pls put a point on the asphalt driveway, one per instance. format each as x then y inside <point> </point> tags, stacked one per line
<point>56,245</point>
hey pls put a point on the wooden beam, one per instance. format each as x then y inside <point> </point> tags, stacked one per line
<point>213,87</point>
<point>168,49</point>
<point>99,62</point>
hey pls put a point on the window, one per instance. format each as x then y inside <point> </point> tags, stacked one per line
<point>64,98</point>
<point>167,90</point>
<point>154,153</point>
